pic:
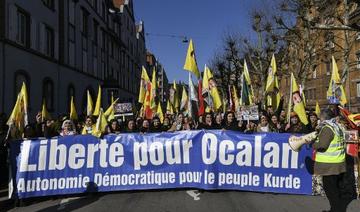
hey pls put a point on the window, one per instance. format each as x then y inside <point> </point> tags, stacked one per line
<point>49,3</point>
<point>358,89</point>
<point>48,93</point>
<point>20,78</point>
<point>49,39</point>
<point>23,31</point>
<point>358,60</point>
<point>84,22</point>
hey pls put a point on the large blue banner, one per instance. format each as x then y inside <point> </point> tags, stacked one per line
<point>212,159</point>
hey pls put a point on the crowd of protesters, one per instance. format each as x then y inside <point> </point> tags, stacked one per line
<point>269,121</point>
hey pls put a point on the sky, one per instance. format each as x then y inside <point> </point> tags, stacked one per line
<point>205,21</point>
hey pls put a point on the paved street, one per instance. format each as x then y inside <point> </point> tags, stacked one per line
<point>180,200</point>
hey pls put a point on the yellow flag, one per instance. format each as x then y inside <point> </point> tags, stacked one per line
<point>248,81</point>
<point>336,90</point>
<point>209,85</point>
<point>190,61</point>
<point>270,81</point>
<point>19,115</point>
<point>298,103</point>
<point>143,85</point>
<point>90,105</point>
<point>184,99</point>
<point>160,113</point>
<point>109,113</point>
<point>44,113</point>
<point>101,124</point>
<point>176,98</point>
<point>98,103</point>
<point>207,109</point>
<point>317,109</point>
<point>73,114</point>
<point>169,108</point>
<point>153,90</point>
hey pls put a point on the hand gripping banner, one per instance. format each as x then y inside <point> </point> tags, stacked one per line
<point>207,160</point>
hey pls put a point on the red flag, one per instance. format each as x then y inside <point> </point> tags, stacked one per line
<point>201,110</point>
<point>148,111</point>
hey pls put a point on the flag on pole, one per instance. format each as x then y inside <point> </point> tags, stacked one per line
<point>90,105</point>
<point>190,61</point>
<point>73,113</point>
<point>272,85</point>
<point>145,81</point>
<point>110,112</point>
<point>19,115</point>
<point>184,99</point>
<point>98,103</point>
<point>174,97</point>
<point>44,112</point>
<point>248,81</point>
<point>100,125</point>
<point>298,103</point>
<point>209,87</point>
<point>160,113</point>
<point>245,91</point>
<point>336,93</point>
<point>192,96</point>
<point>169,108</point>
<point>317,109</point>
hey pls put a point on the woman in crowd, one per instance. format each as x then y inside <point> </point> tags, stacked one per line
<point>131,126</point>
<point>208,123</point>
<point>275,125</point>
<point>166,124</point>
<point>230,122</point>
<point>218,122</point>
<point>295,126</point>
<point>113,127</point>
<point>263,125</point>
<point>178,124</point>
<point>313,121</point>
<point>156,125</point>
<point>145,127</point>
<point>67,128</point>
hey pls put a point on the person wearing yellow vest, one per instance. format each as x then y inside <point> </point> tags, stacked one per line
<point>330,160</point>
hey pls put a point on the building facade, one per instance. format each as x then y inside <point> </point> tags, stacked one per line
<point>163,82</point>
<point>328,43</point>
<point>64,48</point>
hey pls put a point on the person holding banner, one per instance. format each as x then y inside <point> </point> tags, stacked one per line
<point>330,161</point>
